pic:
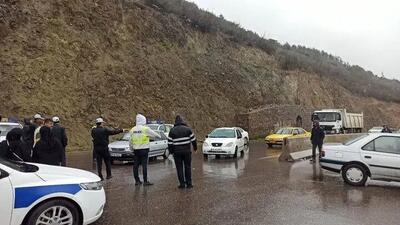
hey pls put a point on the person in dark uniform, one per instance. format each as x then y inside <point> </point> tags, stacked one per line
<point>48,150</point>
<point>386,129</point>
<point>100,137</point>
<point>317,139</point>
<point>14,148</point>
<point>180,139</point>
<point>59,133</point>
<point>28,132</point>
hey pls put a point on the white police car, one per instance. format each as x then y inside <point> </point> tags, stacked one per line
<point>35,194</point>
<point>376,156</point>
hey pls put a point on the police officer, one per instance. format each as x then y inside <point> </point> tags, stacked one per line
<point>59,133</point>
<point>100,137</point>
<point>140,145</point>
<point>317,140</point>
<point>179,140</point>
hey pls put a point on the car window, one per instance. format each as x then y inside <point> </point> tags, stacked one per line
<point>222,133</point>
<point>296,131</point>
<point>354,140</point>
<point>4,129</point>
<point>239,135</point>
<point>387,145</point>
<point>168,128</point>
<point>284,131</point>
<point>369,147</point>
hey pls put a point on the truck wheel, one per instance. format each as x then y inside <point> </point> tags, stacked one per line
<point>355,174</point>
<point>55,212</point>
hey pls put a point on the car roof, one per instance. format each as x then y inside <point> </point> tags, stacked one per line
<point>9,124</point>
<point>291,128</point>
<point>228,128</point>
<point>375,135</point>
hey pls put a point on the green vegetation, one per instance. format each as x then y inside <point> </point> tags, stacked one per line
<point>290,57</point>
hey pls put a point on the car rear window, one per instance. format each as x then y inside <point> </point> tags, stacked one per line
<point>354,140</point>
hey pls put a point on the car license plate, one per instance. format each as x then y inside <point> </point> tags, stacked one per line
<point>116,155</point>
<point>216,149</point>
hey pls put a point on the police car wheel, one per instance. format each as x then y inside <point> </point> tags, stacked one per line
<point>55,212</point>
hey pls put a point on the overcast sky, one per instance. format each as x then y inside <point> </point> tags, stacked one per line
<point>361,32</point>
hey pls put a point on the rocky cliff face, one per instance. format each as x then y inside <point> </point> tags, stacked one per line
<point>84,59</point>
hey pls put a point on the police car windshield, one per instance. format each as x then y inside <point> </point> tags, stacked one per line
<point>222,133</point>
<point>4,129</point>
<point>126,137</point>
<point>19,166</point>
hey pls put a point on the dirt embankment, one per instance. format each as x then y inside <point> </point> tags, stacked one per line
<point>84,59</point>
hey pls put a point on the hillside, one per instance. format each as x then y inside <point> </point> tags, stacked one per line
<point>84,59</point>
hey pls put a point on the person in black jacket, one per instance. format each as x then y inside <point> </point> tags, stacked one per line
<point>100,137</point>
<point>386,129</point>
<point>59,133</point>
<point>28,132</point>
<point>180,139</point>
<point>317,139</point>
<point>48,150</point>
<point>14,148</point>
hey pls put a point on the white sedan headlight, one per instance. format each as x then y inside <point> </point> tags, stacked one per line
<point>92,186</point>
<point>230,144</point>
<point>205,144</point>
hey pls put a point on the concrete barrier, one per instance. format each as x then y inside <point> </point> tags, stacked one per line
<point>294,148</point>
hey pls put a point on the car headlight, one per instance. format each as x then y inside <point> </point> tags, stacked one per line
<point>230,144</point>
<point>205,144</point>
<point>92,186</point>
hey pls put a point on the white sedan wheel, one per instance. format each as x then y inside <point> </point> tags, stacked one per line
<point>354,174</point>
<point>56,215</point>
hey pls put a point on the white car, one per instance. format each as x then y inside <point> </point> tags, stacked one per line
<point>245,135</point>
<point>35,194</point>
<point>375,130</point>
<point>165,128</point>
<point>372,155</point>
<point>224,141</point>
<point>5,128</point>
<point>120,151</point>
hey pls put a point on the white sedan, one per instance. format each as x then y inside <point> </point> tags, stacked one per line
<point>35,194</point>
<point>372,155</point>
<point>224,141</point>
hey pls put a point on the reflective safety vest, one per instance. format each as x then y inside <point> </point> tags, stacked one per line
<point>140,137</point>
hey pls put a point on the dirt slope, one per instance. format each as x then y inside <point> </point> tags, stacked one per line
<point>83,59</point>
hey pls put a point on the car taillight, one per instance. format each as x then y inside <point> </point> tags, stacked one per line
<point>322,153</point>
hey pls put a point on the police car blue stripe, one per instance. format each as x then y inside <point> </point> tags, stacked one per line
<point>25,196</point>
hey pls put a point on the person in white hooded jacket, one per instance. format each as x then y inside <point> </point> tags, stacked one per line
<point>140,145</point>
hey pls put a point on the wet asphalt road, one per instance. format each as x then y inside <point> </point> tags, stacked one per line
<point>253,189</point>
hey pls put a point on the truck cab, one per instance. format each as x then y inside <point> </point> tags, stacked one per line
<point>335,121</point>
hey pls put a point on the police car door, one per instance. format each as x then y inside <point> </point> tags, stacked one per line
<point>6,196</point>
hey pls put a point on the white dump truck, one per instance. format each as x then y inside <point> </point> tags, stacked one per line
<point>337,121</point>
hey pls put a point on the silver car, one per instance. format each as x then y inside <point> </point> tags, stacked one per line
<point>120,151</point>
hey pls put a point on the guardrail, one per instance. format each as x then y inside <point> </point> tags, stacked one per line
<point>294,148</point>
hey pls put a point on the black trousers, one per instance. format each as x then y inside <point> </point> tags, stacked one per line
<point>100,157</point>
<point>141,157</point>
<point>314,149</point>
<point>184,160</point>
<point>64,158</point>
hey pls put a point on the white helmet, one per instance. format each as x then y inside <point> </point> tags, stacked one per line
<point>99,120</point>
<point>56,119</point>
<point>37,117</point>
